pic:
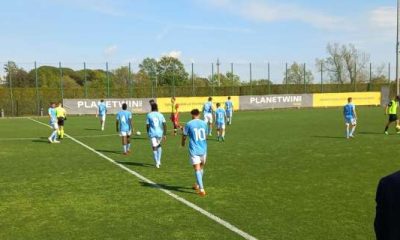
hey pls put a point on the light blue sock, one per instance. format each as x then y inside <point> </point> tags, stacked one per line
<point>124,147</point>
<point>159,151</point>
<point>155,156</point>
<point>129,146</point>
<point>54,135</point>
<point>202,172</point>
<point>347,132</point>
<point>199,179</point>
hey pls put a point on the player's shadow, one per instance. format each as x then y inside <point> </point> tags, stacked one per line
<point>370,133</point>
<point>137,164</point>
<point>168,187</point>
<point>41,140</point>
<point>92,129</point>
<point>331,137</point>
<point>108,151</point>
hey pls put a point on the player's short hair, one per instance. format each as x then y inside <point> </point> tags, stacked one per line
<point>124,106</point>
<point>152,101</point>
<point>209,98</point>
<point>173,98</point>
<point>229,98</point>
<point>195,112</point>
<point>102,100</point>
<point>154,107</point>
<point>218,104</point>
<point>349,99</point>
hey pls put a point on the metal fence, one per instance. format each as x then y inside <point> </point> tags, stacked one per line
<point>28,88</point>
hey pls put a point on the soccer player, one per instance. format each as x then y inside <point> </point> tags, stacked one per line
<point>196,129</point>
<point>124,127</point>
<point>61,114</point>
<point>208,114</point>
<point>391,110</point>
<point>220,118</point>
<point>229,110</point>
<point>156,129</point>
<point>102,113</point>
<point>175,116</point>
<point>350,117</point>
<point>53,123</point>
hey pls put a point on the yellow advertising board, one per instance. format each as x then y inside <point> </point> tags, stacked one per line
<point>340,99</point>
<point>187,104</point>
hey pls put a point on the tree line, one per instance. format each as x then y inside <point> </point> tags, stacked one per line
<point>344,64</point>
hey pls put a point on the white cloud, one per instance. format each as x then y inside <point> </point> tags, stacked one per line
<point>262,11</point>
<point>174,54</point>
<point>384,17</point>
<point>110,50</point>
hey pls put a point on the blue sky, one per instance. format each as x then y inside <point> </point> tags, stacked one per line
<point>119,31</point>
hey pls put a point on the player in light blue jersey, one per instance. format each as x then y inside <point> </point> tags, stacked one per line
<point>156,129</point>
<point>124,127</point>
<point>102,113</point>
<point>350,118</point>
<point>196,129</point>
<point>53,123</point>
<point>208,110</point>
<point>229,110</point>
<point>220,119</point>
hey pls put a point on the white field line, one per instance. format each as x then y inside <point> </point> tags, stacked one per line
<point>169,193</point>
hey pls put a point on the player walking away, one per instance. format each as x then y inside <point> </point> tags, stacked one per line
<point>156,129</point>
<point>61,114</point>
<point>53,123</point>
<point>229,110</point>
<point>124,127</point>
<point>175,119</point>
<point>220,118</point>
<point>350,118</point>
<point>102,113</point>
<point>391,110</point>
<point>208,114</point>
<point>196,129</point>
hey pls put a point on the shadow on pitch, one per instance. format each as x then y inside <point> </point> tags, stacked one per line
<point>330,137</point>
<point>137,164</point>
<point>108,151</point>
<point>370,133</point>
<point>168,187</point>
<point>93,129</point>
<point>41,140</point>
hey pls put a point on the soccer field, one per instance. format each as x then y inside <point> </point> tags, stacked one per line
<point>281,174</point>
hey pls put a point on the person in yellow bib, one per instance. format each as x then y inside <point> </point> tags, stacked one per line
<point>61,115</point>
<point>391,110</point>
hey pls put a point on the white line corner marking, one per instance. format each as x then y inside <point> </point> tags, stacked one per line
<point>173,195</point>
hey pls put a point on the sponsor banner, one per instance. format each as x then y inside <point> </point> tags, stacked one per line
<point>187,104</point>
<point>89,106</point>
<point>275,101</point>
<point>340,99</point>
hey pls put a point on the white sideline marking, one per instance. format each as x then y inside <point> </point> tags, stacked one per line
<point>173,195</point>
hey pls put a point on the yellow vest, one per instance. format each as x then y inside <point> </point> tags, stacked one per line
<point>393,107</point>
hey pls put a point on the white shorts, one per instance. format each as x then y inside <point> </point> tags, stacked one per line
<point>198,159</point>
<point>102,118</point>
<point>229,113</point>
<point>208,117</point>
<point>351,121</point>
<point>220,125</point>
<point>54,126</point>
<point>125,133</point>
<point>155,141</point>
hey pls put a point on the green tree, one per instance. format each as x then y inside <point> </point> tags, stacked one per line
<point>171,72</point>
<point>296,74</point>
<point>19,77</point>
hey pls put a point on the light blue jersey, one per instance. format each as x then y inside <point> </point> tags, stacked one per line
<point>155,120</point>
<point>53,115</point>
<point>124,119</point>
<point>229,106</point>
<point>220,115</point>
<point>348,110</point>
<point>196,129</point>
<point>207,107</point>
<point>102,109</point>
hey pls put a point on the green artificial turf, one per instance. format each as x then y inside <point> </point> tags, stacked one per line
<point>281,174</point>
